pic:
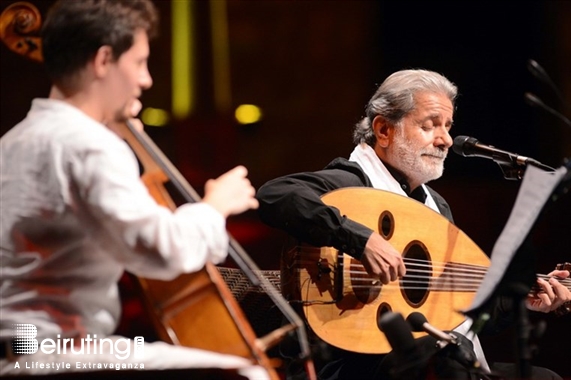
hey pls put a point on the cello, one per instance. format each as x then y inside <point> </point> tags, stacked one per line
<point>183,309</point>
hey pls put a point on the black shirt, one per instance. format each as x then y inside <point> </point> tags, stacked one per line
<point>293,203</point>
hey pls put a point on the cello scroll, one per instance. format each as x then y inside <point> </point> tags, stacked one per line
<point>20,24</point>
<point>184,310</point>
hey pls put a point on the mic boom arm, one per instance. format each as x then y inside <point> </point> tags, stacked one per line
<point>512,164</point>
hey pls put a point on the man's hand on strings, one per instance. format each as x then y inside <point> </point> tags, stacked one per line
<point>128,114</point>
<point>381,260</point>
<point>552,295</point>
<point>231,193</point>
<point>133,110</point>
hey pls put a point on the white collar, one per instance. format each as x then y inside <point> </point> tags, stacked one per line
<point>380,176</point>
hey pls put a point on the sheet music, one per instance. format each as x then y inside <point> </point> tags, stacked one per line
<point>536,188</point>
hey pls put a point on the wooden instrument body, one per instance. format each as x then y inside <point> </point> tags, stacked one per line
<point>342,303</point>
<point>196,309</point>
<point>193,311</point>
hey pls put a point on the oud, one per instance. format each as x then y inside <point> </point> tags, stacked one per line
<point>342,303</point>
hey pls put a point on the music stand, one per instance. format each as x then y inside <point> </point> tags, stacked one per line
<point>511,271</point>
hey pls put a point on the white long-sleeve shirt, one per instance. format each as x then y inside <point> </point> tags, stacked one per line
<point>75,215</point>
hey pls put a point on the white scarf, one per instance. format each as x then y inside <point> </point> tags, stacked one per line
<point>382,179</point>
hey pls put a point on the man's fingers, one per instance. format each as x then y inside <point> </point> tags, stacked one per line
<point>394,270</point>
<point>238,171</point>
<point>559,273</point>
<point>561,292</point>
<point>402,269</point>
<point>382,260</point>
<point>135,108</point>
<point>545,299</point>
<point>547,289</point>
<point>254,204</point>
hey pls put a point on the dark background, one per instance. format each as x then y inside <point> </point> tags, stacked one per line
<point>312,66</point>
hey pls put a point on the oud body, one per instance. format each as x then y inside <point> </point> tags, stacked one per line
<point>342,303</point>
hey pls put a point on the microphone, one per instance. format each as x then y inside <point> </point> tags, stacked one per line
<point>449,343</point>
<point>469,146</point>
<point>534,101</point>
<point>405,361</point>
<point>420,323</point>
<point>398,332</point>
<point>539,72</point>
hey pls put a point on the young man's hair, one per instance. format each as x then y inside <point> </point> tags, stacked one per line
<point>75,29</point>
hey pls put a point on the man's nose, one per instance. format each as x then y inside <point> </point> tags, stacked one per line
<point>444,138</point>
<point>146,81</point>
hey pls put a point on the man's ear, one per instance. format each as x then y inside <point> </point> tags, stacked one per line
<point>383,131</point>
<point>102,60</point>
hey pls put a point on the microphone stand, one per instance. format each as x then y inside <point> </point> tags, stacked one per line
<point>518,292</point>
<point>511,274</point>
<point>513,171</point>
<point>523,330</point>
<point>516,286</point>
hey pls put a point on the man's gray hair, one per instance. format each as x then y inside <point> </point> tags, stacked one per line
<point>394,99</point>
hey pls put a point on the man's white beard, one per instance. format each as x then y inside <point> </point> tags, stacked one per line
<point>411,163</point>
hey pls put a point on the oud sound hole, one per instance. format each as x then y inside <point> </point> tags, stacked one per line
<point>382,310</point>
<point>416,283</point>
<point>386,224</point>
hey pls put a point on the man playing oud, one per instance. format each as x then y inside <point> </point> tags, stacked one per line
<point>401,144</point>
